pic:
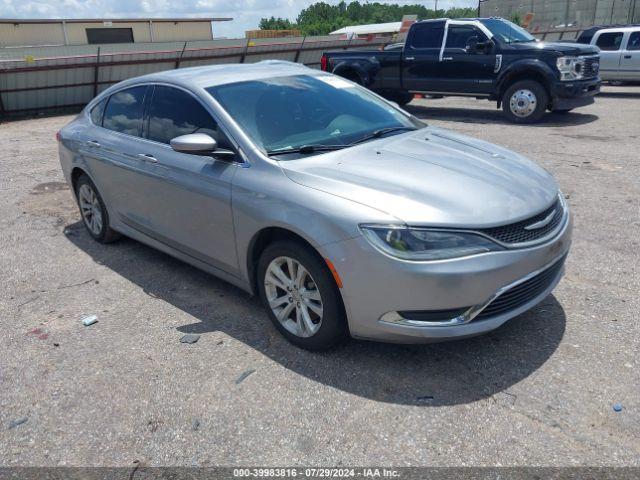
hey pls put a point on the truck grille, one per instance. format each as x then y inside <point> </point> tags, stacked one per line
<point>591,67</point>
<point>522,293</point>
<point>519,233</point>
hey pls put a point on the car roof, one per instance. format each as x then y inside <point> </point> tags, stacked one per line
<point>618,29</point>
<point>213,75</point>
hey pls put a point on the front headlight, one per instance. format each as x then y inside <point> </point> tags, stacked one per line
<point>570,68</point>
<point>422,244</point>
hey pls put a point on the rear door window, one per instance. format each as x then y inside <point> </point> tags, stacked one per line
<point>174,112</point>
<point>610,41</point>
<point>125,110</point>
<point>427,35</point>
<point>634,41</point>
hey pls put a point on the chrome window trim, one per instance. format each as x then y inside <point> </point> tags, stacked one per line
<point>207,108</point>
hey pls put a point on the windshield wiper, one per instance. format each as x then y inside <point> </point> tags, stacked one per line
<point>306,149</point>
<point>380,133</point>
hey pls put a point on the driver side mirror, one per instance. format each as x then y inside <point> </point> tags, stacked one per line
<point>475,46</point>
<point>199,144</point>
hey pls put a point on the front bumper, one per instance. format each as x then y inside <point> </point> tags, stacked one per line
<point>375,287</point>
<point>576,94</point>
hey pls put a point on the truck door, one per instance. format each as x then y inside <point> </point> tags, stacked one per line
<point>630,61</point>
<point>610,43</point>
<point>421,56</point>
<point>468,60</point>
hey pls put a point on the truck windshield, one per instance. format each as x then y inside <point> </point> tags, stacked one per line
<point>506,31</point>
<point>295,113</point>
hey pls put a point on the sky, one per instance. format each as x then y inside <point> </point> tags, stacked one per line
<point>246,13</point>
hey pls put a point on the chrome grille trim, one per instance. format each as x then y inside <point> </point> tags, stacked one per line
<point>517,235</point>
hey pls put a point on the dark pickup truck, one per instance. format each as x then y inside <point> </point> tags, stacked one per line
<point>488,58</point>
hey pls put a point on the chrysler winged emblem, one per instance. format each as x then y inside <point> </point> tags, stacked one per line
<point>542,223</point>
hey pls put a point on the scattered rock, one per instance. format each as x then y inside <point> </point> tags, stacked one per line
<point>17,422</point>
<point>56,344</point>
<point>153,425</point>
<point>244,376</point>
<point>617,407</point>
<point>190,338</point>
<point>195,425</point>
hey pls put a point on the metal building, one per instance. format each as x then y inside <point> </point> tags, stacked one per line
<point>38,32</point>
<point>555,17</point>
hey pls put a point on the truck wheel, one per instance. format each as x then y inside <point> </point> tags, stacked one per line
<point>352,76</point>
<point>525,102</point>
<point>401,98</point>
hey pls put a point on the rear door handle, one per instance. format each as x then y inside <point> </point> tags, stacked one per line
<point>627,56</point>
<point>409,59</point>
<point>145,157</point>
<point>447,59</point>
<point>92,143</point>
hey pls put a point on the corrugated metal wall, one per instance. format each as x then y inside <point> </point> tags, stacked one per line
<point>18,34</point>
<point>556,19</point>
<point>41,79</point>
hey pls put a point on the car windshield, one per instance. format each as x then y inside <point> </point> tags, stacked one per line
<point>316,112</point>
<point>508,32</point>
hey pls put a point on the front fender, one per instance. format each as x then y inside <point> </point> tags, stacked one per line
<point>537,68</point>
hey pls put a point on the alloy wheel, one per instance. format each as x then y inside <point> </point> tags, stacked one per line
<point>293,296</point>
<point>90,209</point>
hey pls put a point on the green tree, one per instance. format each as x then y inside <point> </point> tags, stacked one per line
<point>274,23</point>
<point>322,18</point>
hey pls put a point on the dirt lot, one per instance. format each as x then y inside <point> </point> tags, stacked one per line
<point>539,391</point>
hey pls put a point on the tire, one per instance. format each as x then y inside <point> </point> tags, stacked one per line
<point>351,76</point>
<point>402,98</point>
<point>318,332</point>
<point>93,211</point>
<point>530,100</point>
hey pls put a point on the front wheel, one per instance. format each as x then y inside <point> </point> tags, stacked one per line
<point>525,102</point>
<point>301,296</point>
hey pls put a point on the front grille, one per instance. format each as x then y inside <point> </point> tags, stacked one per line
<point>522,293</point>
<point>517,232</point>
<point>591,67</point>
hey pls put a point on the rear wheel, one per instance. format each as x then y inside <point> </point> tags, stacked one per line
<point>525,101</point>
<point>94,213</point>
<point>401,98</point>
<point>352,76</point>
<point>301,296</point>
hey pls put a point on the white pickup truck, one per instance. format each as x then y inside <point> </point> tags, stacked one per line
<point>619,53</point>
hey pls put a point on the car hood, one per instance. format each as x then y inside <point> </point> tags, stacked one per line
<point>561,48</point>
<point>431,177</point>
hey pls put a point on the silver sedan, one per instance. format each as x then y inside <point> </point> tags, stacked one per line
<point>344,213</point>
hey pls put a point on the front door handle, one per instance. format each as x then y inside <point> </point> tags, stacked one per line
<point>447,59</point>
<point>409,59</point>
<point>145,157</point>
<point>92,143</point>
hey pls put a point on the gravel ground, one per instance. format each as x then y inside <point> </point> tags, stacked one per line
<point>539,391</point>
